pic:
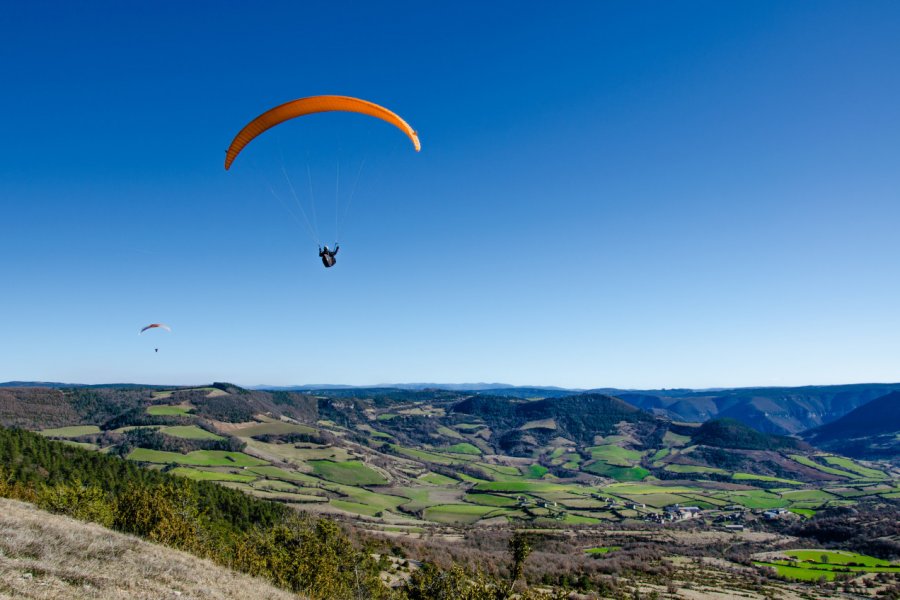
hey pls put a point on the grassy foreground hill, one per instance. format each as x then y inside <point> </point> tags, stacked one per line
<point>49,557</point>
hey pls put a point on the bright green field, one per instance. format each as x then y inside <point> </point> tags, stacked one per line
<point>200,475</point>
<point>660,454</point>
<point>461,448</point>
<point>535,471</point>
<point>751,477</point>
<point>616,472</point>
<point>615,455</point>
<point>349,473</point>
<point>190,432</point>
<point>458,513</point>
<point>808,565</point>
<point>805,460</point>
<point>693,469</point>
<point>71,432</point>
<point>579,520</point>
<point>167,411</point>
<point>838,557</point>
<point>846,463</point>
<point>369,498</point>
<point>437,479</point>
<point>801,573</point>
<point>198,458</point>
<point>490,500</point>
<point>520,486</point>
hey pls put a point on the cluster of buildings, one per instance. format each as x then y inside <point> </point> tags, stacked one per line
<point>675,512</point>
<point>524,501</point>
<point>731,521</point>
<point>555,512</point>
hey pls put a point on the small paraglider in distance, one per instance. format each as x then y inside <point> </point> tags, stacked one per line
<point>328,256</point>
<point>155,326</point>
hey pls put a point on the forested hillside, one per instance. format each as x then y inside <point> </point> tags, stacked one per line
<point>871,431</point>
<point>780,410</point>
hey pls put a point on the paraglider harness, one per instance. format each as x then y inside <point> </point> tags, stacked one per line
<point>327,255</point>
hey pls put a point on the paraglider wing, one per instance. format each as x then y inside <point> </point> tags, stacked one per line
<point>312,105</point>
<point>155,325</point>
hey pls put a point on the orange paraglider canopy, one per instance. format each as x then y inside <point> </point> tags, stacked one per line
<point>311,105</point>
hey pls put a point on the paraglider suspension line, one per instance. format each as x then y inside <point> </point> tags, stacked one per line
<point>343,218</point>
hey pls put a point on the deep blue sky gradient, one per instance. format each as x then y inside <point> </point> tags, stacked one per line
<point>631,194</point>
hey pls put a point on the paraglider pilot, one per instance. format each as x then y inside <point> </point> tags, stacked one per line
<point>328,256</point>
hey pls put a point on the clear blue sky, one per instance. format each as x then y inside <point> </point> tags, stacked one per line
<point>631,194</point>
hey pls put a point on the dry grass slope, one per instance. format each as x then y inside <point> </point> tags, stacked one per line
<point>47,557</point>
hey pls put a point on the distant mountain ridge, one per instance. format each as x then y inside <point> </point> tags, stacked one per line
<point>871,431</point>
<point>777,410</point>
<point>452,387</point>
<point>56,385</point>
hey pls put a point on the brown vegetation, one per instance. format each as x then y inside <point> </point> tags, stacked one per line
<point>50,556</point>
